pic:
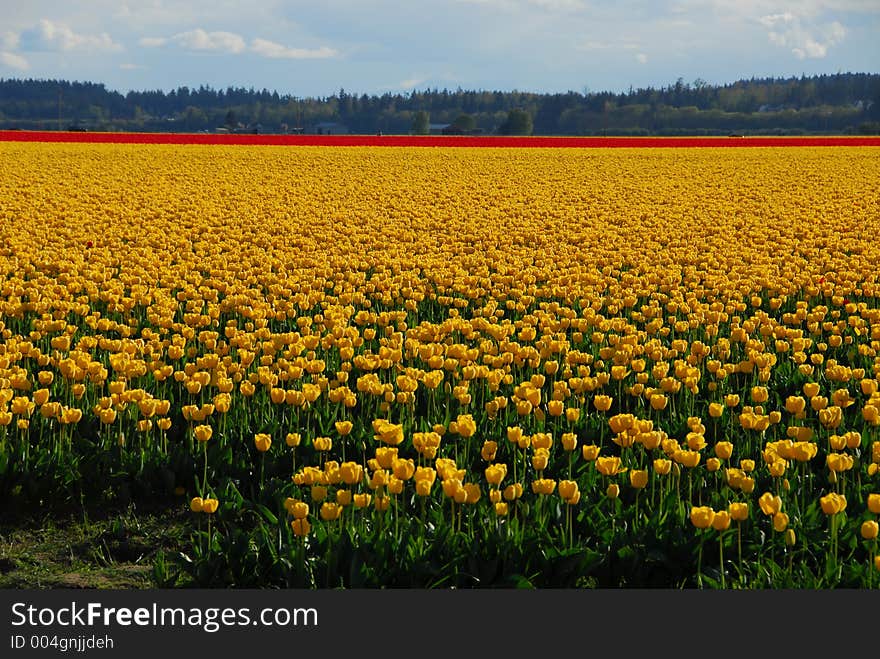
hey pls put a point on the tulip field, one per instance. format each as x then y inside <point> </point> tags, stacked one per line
<point>449,364</point>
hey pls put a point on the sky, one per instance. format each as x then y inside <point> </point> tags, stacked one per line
<point>316,48</point>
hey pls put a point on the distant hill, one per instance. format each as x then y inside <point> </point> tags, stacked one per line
<point>844,103</point>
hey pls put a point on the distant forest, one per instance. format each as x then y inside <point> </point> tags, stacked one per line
<point>845,103</point>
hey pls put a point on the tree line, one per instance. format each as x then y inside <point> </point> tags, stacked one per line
<point>839,103</point>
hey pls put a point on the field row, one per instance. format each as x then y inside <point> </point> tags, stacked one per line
<point>406,367</point>
<point>433,140</point>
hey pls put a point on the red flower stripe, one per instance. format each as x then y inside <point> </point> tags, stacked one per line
<point>430,140</point>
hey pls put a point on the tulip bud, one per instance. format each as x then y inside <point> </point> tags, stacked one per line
<point>613,491</point>
<point>780,522</point>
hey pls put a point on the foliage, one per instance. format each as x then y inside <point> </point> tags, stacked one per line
<point>519,122</point>
<point>817,104</point>
<point>421,123</point>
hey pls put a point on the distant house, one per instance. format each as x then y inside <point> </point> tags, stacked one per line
<point>330,128</point>
<point>437,129</point>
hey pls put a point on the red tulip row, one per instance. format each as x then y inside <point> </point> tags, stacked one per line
<point>430,140</point>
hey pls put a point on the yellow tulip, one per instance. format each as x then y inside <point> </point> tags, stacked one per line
<point>662,466</point>
<point>590,452</point>
<point>780,522</point>
<point>513,492</point>
<point>738,511</point>
<point>496,473</point>
<point>567,489</point>
<point>638,478</point>
<point>543,486</point>
<point>609,466</point>
<point>869,529</point>
<point>330,511</point>
<point>770,504</point>
<point>702,516</point>
<point>263,442</point>
<point>203,433</point>
<point>301,527</point>
<point>721,520</point>
<point>832,503</point>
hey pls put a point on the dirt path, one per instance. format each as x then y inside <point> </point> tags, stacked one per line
<point>74,551</point>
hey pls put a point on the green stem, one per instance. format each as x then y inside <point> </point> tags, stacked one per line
<point>700,563</point>
<point>739,547</point>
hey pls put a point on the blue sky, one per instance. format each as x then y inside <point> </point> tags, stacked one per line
<point>314,48</point>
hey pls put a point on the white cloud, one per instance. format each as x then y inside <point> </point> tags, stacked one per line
<point>559,5</point>
<point>199,39</point>
<point>641,58</point>
<point>153,42</point>
<point>273,50</point>
<point>607,45</point>
<point>549,5</point>
<point>752,8</point>
<point>802,38</point>
<point>13,61</point>
<point>411,83</point>
<point>51,36</point>
<point>128,66</point>
<point>771,20</point>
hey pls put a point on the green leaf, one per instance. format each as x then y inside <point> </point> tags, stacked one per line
<point>268,514</point>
